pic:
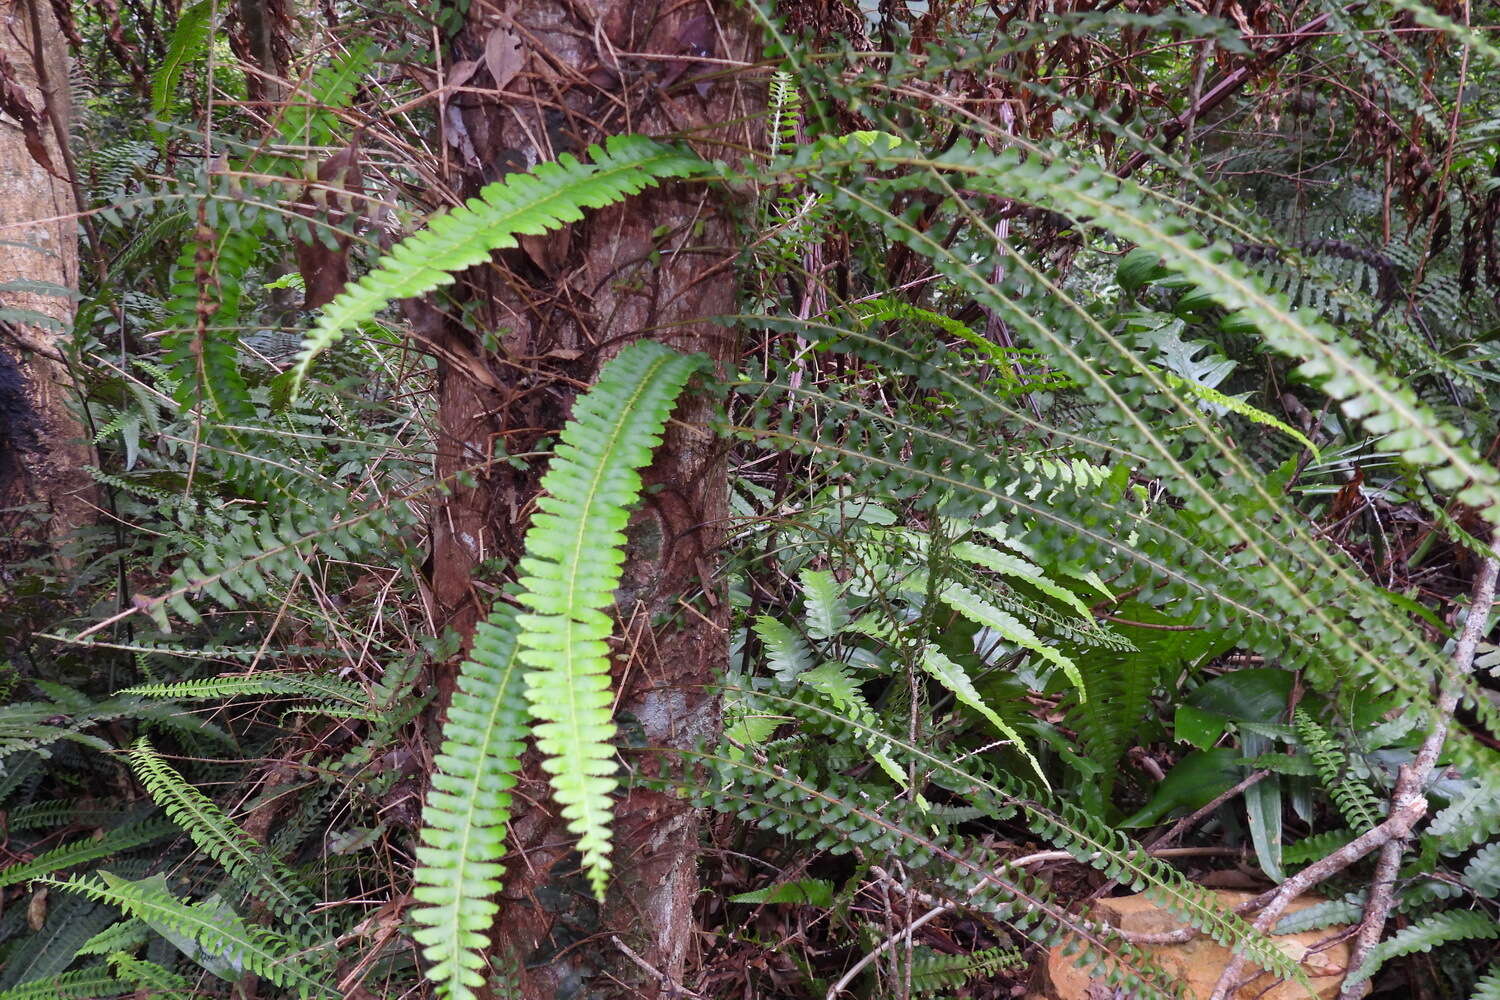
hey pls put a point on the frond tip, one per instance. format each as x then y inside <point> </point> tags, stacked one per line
<point>548,197</point>
<point>575,551</point>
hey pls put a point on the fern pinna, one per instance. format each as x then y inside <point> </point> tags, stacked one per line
<point>573,563</point>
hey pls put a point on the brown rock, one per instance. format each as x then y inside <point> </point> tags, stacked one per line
<point>1197,964</point>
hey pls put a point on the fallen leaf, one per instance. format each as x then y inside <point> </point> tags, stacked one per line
<point>503,56</point>
<point>325,267</point>
<point>36,910</point>
<point>460,72</point>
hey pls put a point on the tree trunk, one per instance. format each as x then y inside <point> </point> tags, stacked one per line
<point>45,494</point>
<point>658,265</point>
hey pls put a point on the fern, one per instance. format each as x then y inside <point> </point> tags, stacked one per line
<point>1331,360</point>
<point>550,196</point>
<point>933,972</point>
<point>84,984</point>
<point>310,118</point>
<point>221,839</point>
<point>1353,798</point>
<point>464,822</point>
<point>1426,934</point>
<point>1488,987</point>
<point>202,342</point>
<point>787,653</point>
<point>267,682</point>
<point>252,949</point>
<point>78,852</point>
<point>1482,873</point>
<point>952,676</point>
<point>574,556</point>
<point>189,38</point>
<point>126,935</point>
<point>70,923</point>
<point>151,978</point>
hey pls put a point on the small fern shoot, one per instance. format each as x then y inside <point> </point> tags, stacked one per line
<point>550,196</point>
<point>573,563</point>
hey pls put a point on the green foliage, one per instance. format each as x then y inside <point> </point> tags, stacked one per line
<point>85,984</point>
<point>150,977</point>
<point>122,838</point>
<point>573,561</point>
<point>248,949</point>
<point>464,822</point>
<point>218,837</point>
<point>265,682</point>
<point>189,38</point>
<point>933,972</point>
<point>1030,461</point>
<point>574,555</point>
<point>1426,934</point>
<point>528,204</point>
<point>1353,798</point>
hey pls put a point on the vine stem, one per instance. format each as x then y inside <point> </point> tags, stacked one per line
<point>1408,806</point>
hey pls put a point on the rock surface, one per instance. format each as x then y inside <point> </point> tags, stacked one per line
<point>1198,963</point>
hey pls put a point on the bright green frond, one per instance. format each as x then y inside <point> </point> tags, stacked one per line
<point>548,197</point>
<point>574,558</point>
<point>463,825</point>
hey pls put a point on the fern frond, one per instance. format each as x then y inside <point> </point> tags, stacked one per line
<point>1348,909</point>
<point>832,681</point>
<point>1254,414</point>
<point>1003,795</point>
<point>218,837</point>
<point>253,949</point>
<point>550,196</point>
<point>1354,799</point>
<point>1426,934</point>
<point>84,984</point>
<point>70,922</point>
<point>189,38</point>
<point>1386,408</point>
<point>786,651</point>
<point>1488,987</point>
<point>573,563</point>
<point>267,682</point>
<point>952,677</point>
<point>150,978</point>
<point>123,935</point>
<point>1014,566</point>
<point>1482,873</point>
<point>78,852</point>
<point>311,117</point>
<point>463,825</point>
<point>975,607</point>
<point>824,609</point>
<point>932,971</point>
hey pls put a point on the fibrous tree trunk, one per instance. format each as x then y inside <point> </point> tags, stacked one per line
<point>563,75</point>
<point>45,492</point>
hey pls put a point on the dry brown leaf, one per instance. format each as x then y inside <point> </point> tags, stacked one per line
<point>503,56</point>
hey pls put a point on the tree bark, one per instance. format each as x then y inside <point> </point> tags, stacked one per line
<point>659,265</point>
<point>45,493</point>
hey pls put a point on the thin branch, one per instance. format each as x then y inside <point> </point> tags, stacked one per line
<point>1408,805</point>
<point>1232,83</point>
